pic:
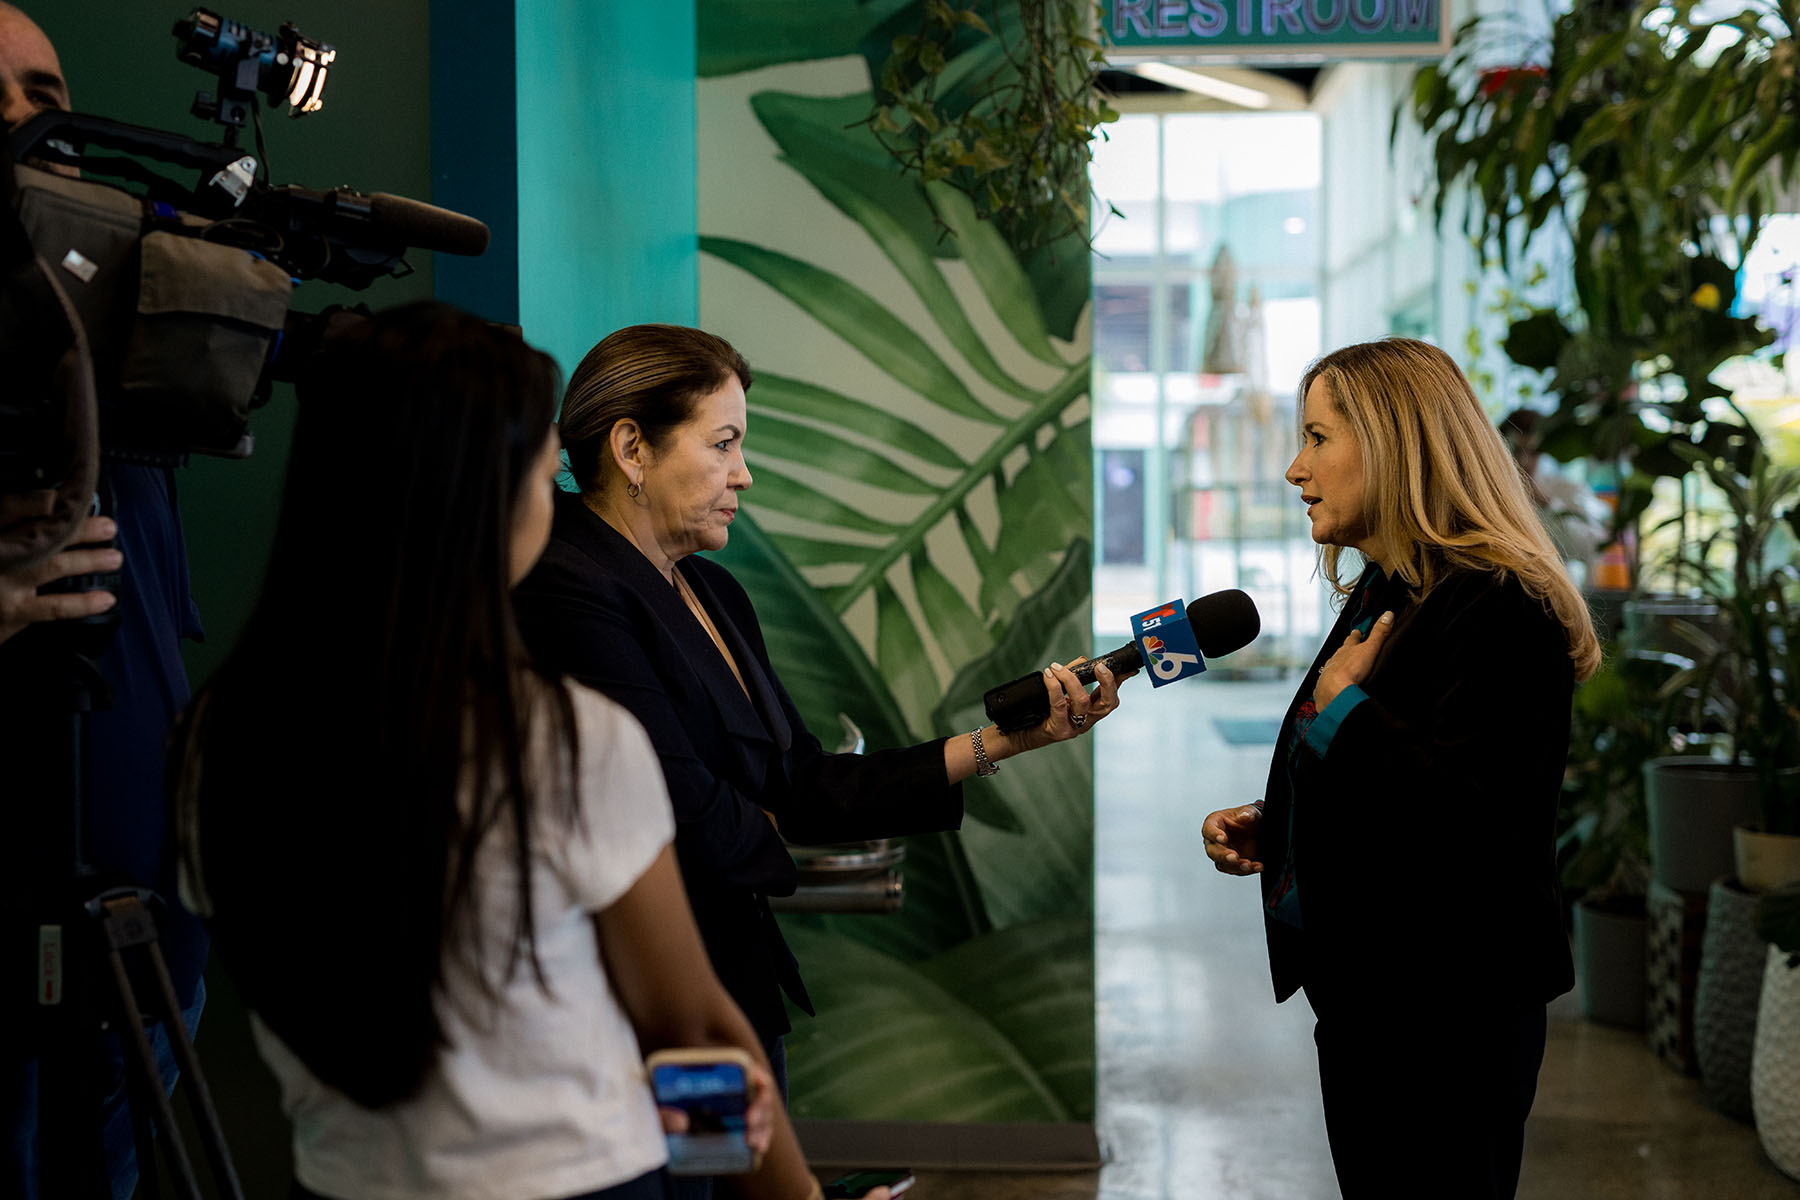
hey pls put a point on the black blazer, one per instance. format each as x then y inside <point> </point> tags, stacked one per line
<point>596,609</point>
<point>1424,841</point>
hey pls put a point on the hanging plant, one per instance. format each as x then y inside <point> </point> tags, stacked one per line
<point>998,100</point>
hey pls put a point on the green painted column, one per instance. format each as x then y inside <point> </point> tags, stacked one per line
<point>474,156</point>
<point>605,169</point>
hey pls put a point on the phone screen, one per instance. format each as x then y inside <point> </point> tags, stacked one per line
<point>896,1180</point>
<point>714,1096</point>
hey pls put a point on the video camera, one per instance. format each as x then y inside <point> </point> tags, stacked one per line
<point>183,290</point>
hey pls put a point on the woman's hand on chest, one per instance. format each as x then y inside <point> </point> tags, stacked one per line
<point>1352,662</point>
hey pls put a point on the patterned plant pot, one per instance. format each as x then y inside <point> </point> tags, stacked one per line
<point>1775,1067</point>
<point>1725,1001</point>
<point>1672,973</point>
<point>1609,962</point>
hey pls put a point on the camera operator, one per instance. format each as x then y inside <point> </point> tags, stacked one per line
<point>124,819</point>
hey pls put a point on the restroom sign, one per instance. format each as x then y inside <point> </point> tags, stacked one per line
<point>1276,30</point>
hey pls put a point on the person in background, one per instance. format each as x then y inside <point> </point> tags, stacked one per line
<point>441,876</point>
<point>654,423</point>
<point>1405,839</point>
<point>1577,520</point>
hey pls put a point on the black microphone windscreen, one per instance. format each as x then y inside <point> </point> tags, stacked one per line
<point>1223,622</point>
<point>426,225</point>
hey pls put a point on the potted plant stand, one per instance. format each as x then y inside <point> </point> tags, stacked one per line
<point>1676,929</point>
<point>1726,996</point>
<point>1609,960</point>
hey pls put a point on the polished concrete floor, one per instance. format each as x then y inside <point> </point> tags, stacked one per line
<point>1209,1089</point>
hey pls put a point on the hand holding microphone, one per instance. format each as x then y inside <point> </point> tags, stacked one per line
<point>1172,640</point>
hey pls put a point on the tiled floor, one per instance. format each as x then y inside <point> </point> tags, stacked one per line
<point>1208,1089</point>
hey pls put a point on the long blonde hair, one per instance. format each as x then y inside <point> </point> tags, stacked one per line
<point>1441,491</point>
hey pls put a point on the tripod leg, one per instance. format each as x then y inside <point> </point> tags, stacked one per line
<point>199,1096</point>
<point>127,922</point>
<point>143,1138</point>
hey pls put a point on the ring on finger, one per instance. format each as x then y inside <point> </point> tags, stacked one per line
<point>1078,719</point>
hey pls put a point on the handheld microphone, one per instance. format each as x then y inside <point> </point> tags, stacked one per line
<point>1173,640</point>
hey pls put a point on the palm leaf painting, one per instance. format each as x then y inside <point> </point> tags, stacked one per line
<point>1028,467</point>
<point>906,554</point>
<point>998,1029</point>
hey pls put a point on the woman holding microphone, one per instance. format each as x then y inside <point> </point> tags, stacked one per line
<point>654,422</point>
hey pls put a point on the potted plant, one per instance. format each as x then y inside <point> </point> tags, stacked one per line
<point>1552,143</point>
<point>1604,845</point>
<point>1744,684</point>
<point>1742,691</point>
<point>1775,1070</point>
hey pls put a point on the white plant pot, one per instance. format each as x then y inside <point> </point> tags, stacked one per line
<point>1775,1065</point>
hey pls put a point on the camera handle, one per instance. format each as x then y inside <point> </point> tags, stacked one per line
<point>51,135</point>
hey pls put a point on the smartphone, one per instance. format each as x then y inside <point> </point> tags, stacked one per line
<point>845,1187</point>
<point>711,1084</point>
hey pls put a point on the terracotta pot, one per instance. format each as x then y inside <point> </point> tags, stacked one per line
<point>1765,860</point>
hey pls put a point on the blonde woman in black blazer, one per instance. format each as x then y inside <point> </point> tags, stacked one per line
<point>1405,839</point>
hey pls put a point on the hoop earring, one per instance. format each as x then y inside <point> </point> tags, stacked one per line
<point>632,490</point>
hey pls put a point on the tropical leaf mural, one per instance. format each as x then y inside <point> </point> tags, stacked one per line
<point>998,1029</point>
<point>918,530</point>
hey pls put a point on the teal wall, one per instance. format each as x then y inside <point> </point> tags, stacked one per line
<point>605,169</point>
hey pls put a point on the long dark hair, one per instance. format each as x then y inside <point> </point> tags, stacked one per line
<point>339,772</point>
<point>651,374</point>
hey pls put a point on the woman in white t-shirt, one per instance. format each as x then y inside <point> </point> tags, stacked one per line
<point>441,879</point>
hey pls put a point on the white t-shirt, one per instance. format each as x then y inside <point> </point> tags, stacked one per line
<point>543,1096</point>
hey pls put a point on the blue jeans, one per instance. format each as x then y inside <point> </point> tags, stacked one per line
<point>20,1177</point>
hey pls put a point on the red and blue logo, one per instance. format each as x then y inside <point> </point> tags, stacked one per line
<point>1172,652</point>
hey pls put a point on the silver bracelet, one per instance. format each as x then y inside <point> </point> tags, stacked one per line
<point>982,766</point>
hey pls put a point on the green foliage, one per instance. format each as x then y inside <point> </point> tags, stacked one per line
<point>1000,1028</point>
<point>1746,672</point>
<point>1604,846</point>
<point>1659,168</point>
<point>955,526</point>
<point>1011,498</point>
<point>1000,107</point>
